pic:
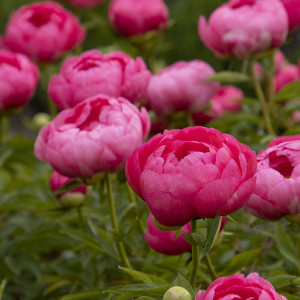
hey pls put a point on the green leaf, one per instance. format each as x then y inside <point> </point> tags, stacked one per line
<point>240,261</point>
<point>180,280</point>
<point>290,297</point>
<point>67,187</point>
<point>150,279</point>
<point>280,281</point>
<point>232,220</point>
<point>2,287</point>
<point>56,286</point>
<point>290,91</point>
<point>229,77</point>
<point>83,296</point>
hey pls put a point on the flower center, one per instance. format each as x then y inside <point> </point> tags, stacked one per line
<point>281,164</point>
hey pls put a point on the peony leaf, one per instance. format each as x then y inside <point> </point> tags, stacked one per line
<point>280,281</point>
<point>229,77</point>
<point>290,91</point>
<point>67,187</point>
<point>180,280</point>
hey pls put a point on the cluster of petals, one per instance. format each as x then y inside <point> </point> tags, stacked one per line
<point>181,87</point>
<point>190,173</point>
<point>132,17</point>
<point>96,136</point>
<point>91,73</point>
<point>43,31</point>
<point>277,190</point>
<point>227,33</point>
<point>18,79</point>
<point>227,99</point>
<point>239,287</point>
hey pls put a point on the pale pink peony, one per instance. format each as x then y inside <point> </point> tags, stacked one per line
<point>179,174</point>
<point>245,27</point>
<point>292,8</point>
<point>238,287</point>
<point>114,74</point>
<point>18,79</point>
<point>96,136</point>
<point>181,87</point>
<point>43,30</point>
<point>227,99</point>
<point>132,17</point>
<point>277,190</point>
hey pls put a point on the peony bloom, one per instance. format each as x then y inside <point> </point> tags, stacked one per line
<point>179,174</point>
<point>286,75</point>
<point>91,73</point>
<point>181,87</point>
<point>227,32</point>
<point>18,79</point>
<point>96,136</point>
<point>277,190</point>
<point>85,3</point>
<point>43,31</point>
<point>227,99</point>
<point>292,8</point>
<point>132,17</point>
<point>238,287</point>
<point>71,198</point>
<point>166,242</point>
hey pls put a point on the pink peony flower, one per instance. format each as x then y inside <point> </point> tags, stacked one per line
<point>97,135</point>
<point>166,242</point>
<point>227,32</point>
<point>277,190</point>
<point>71,198</point>
<point>181,86</point>
<point>179,174</point>
<point>238,287</point>
<point>85,3</point>
<point>18,79</point>
<point>115,74</point>
<point>286,75</point>
<point>292,8</point>
<point>43,31</point>
<point>132,17</point>
<point>227,99</point>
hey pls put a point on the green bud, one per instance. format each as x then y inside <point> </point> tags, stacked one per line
<point>72,199</point>
<point>177,293</point>
<point>40,120</point>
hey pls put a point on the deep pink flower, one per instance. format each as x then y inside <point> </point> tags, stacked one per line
<point>227,99</point>
<point>18,79</point>
<point>43,31</point>
<point>96,136</point>
<point>71,198</point>
<point>227,32</point>
<point>179,174</point>
<point>85,3</point>
<point>181,87</point>
<point>292,8</point>
<point>114,74</point>
<point>286,75</point>
<point>238,287</point>
<point>132,17</point>
<point>277,190</point>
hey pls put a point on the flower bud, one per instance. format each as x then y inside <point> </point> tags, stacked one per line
<point>73,199</point>
<point>177,293</point>
<point>40,120</point>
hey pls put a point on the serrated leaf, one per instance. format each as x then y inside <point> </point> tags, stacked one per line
<point>67,187</point>
<point>240,261</point>
<point>150,279</point>
<point>229,77</point>
<point>180,280</point>
<point>280,281</point>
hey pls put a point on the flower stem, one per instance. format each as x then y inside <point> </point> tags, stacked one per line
<point>112,211</point>
<point>261,97</point>
<point>195,257</point>
<point>210,267</point>
<point>270,74</point>
<point>80,217</point>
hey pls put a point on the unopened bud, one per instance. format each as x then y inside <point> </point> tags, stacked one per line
<point>72,199</point>
<point>177,293</point>
<point>40,120</point>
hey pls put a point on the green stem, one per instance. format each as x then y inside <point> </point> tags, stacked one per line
<point>261,97</point>
<point>210,267</point>
<point>195,258</point>
<point>80,216</point>
<point>270,73</point>
<point>113,216</point>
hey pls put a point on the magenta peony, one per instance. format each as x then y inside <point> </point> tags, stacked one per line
<point>286,75</point>
<point>85,3</point>
<point>179,174</point>
<point>43,30</point>
<point>238,287</point>
<point>181,87</point>
<point>96,136</point>
<point>292,8</point>
<point>132,17</point>
<point>227,99</point>
<point>277,190</point>
<point>91,73</point>
<point>227,32</point>
<point>18,79</point>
